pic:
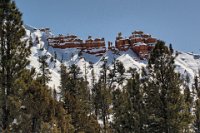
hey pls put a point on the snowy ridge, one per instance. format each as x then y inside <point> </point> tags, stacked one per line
<point>187,63</point>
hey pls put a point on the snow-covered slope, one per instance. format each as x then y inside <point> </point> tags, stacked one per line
<point>187,63</point>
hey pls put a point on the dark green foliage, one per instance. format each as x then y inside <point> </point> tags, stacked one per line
<point>55,55</point>
<point>122,117</point>
<point>189,103</point>
<point>171,49</point>
<point>120,71</point>
<point>38,111</point>
<point>74,72</point>
<point>105,103</point>
<point>75,96</point>
<point>96,98</point>
<point>158,51</point>
<point>44,75</point>
<point>51,59</point>
<point>93,77</point>
<point>197,105</point>
<point>68,89</point>
<point>157,101</point>
<point>167,110</point>
<point>112,75</point>
<point>37,41</point>
<point>64,76</point>
<point>116,74</point>
<point>129,108</point>
<point>104,71</point>
<point>101,95</point>
<point>119,34</point>
<point>136,98</point>
<point>13,54</point>
<point>26,104</point>
<point>30,41</point>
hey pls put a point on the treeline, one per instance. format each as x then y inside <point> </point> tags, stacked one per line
<point>156,100</point>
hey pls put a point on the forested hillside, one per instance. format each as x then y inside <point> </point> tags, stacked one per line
<point>51,90</point>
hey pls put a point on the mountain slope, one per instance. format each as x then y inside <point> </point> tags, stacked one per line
<point>187,63</point>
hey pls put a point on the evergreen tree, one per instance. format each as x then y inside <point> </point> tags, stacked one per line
<point>85,121</point>
<point>189,103</point>
<point>122,119</point>
<point>197,105</point>
<point>13,56</point>
<point>105,103</point>
<point>64,78</point>
<point>112,74</point>
<point>55,56</point>
<point>104,70</point>
<point>75,96</point>
<point>136,99</point>
<point>44,75</point>
<point>120,71</point>
<point>93,77</point>
<point>119,34</point>
<point>171,49</point>
<point>30,41</point>
<point>38,110</point>
<point>116,74</point>
<point>165,102</point>
<point>158,51</point>
<point>102,96</point>
<point>129,107</point>
<point>68,89</point>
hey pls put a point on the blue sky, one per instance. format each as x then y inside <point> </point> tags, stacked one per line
<point>174,21</point>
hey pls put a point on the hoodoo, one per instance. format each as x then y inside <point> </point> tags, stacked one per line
<point>141,43</point>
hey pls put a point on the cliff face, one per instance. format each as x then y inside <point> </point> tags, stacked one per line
<point>141,43</point>
<point>186,63</point>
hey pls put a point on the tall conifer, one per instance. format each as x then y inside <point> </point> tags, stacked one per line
<point>44,75</point>
<point>197,104</point>
<point>165,102</point>
<point>13,56</point>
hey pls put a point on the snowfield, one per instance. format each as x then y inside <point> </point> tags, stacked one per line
<point>187,63</point>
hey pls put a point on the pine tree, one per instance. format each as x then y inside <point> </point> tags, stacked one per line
<point>13,56</point>
<point>55,56</point>
<point>64,76</point>
<point>105,103</point>
<point>136,99</point>
<point>158,51</point>
<point>189,103</point>
<point>165,102</point>
<point>116,74</point>
<point>122,119</point>
<point>119,34</point>
<point>197,105</point>
<point>171,49</point>
<point>104,70</point>
<point>102,96</point>
<point>85,121</point>
<point>44,75</point>
<point>96,98</point>
<point>129,108</point>
<point>120,71</point>
<point>68,89</point>
<point>39,111</point>
<point>93,77</point>
<point>75,96</point>
<point>112,74</point>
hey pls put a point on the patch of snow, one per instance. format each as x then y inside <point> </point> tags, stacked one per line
<point>187,63</point>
